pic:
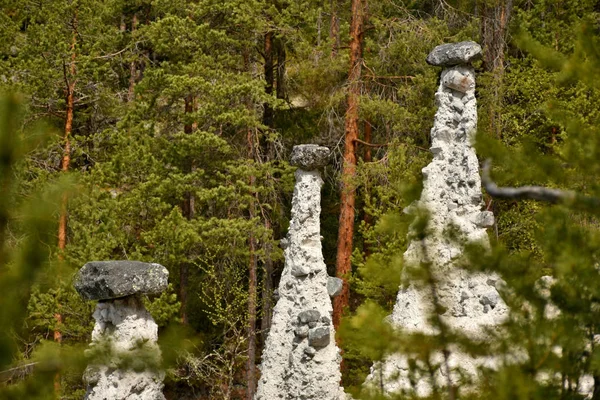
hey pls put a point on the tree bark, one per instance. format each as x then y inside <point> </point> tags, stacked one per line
<point>334,28</point>
<point>269,78</point>
<point>494,29</point>
<point>70,80</point>
<point>132,66</point>
<point>281,57</point>
<point>267,289</point>
<point>367,158</point>
<point>188,211</point>
<point>252,266</point>
<point>348,195</point>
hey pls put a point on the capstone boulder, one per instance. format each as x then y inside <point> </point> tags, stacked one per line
<point>104,280</point>
<point>451,54</point>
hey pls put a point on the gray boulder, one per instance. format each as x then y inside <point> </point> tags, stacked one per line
<point>309,157</point>
<point>105,280</point>
<point>334,286</point>
<point>450,54</point>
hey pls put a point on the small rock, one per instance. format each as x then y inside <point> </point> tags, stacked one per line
<point>455,80</point>
<point>334,286</point>
<point>325,320</point>
<point>485,219</point>
<point>490,299</point>
<point>312,324</point>
<point>309,156</point>
<point>309,316</point>
<point>301,331</point>
<point>450,54</point>
<point>319,337</point>
<point>299,270</point>
<point>436,150</point>
<point>310,351</point>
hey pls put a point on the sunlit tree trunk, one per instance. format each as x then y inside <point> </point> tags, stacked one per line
<point>348,195</point>
<point>70,80</point>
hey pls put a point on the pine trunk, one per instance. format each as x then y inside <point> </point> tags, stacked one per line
<point>66,162</point>
<point>267,289</point>
<point>132,66</point>
<point>252,266</point>
<point>348,195</point>
<point>367,157</point>
<point>281,57</point>
<point>188,211</point>
<point>494,29</point>
<point>334,28</point>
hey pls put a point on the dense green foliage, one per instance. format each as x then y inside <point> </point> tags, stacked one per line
<point>179,156</point>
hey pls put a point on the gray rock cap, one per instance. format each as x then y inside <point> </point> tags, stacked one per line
<point>309,156</point>
<point>450,54</point>
<point>105,280</point>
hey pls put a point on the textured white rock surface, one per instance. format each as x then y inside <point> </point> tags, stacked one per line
<point>126,327</point>
<point>452,195</point>
<point>301,359</point>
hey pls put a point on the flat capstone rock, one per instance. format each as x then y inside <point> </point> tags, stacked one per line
<point>450,54</point>
<point>310,157</point>
<point>106,280</point>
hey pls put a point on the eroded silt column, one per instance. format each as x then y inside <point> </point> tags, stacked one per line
<point>300,359</point>
<point>126,358</point>
<point>452,196</point>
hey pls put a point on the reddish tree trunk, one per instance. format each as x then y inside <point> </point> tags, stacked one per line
<point>348,195</point>
<point>66,162</point>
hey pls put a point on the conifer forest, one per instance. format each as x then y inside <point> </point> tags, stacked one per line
<point>300,199</point>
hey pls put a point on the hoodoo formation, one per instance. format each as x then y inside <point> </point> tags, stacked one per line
<point>124,330</point>
<point>301,359</point>
<point>452,197</point>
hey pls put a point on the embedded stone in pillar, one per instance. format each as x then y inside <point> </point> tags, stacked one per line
<point>300,359</point>
<point>452,196</point>
<point>125,335</point>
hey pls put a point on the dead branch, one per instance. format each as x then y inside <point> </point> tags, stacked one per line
<point>539,193</point>
<point>371,144</point>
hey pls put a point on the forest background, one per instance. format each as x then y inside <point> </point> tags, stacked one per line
<point>162,129</point>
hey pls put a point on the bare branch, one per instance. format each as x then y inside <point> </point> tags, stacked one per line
<point>539,193</point>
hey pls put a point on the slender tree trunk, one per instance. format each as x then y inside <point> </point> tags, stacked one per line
<point>132,65</point>
<point>348,195</point>
<point>70,80</point>
<point>188,212</point>
<point>269,78</point>
<point>494,28</point>
<point>334,28</point>
<point>267,289</point>
<point>281,60</point>
<point>367,157</point>
<point>252,267</point>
